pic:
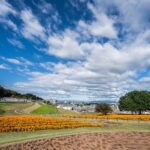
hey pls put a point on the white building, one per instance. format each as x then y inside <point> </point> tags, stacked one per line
<point>10,99</point>
<point>65,107</point>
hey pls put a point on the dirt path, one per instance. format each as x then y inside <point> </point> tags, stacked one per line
<point>28,110</point>
<point>89,141</point>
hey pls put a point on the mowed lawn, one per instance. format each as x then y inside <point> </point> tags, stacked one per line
<point>45,109</point>
<point>51,109</point>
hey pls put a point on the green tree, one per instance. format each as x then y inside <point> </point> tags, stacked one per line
<point>2,92</point>
<point>103,108</point>
<point>135,101</point>
<point>10,93</point>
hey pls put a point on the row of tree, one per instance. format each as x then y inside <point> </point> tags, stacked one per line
<point>10,93</point>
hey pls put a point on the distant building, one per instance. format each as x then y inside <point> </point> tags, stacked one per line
<point>84,108</point>
<point>10,99</point>
<point>66,107</point>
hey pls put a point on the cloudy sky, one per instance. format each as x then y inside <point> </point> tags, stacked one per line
<point>75,49</point>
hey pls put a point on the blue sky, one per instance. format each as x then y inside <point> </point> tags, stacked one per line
<point>75,49</point>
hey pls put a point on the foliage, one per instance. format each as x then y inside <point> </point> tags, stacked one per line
<point>32,123</point>
<point>103,108</point>
<point>10,93</point>
<point>135,101</point>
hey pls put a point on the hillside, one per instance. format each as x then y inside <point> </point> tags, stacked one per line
<point>45,109</point>
<point>11,93</point>
<point>34,108</point>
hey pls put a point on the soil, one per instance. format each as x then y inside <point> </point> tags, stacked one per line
<point>88,141</point>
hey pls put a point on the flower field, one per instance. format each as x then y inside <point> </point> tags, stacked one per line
<point>32,123</point>
<point>112,116</point>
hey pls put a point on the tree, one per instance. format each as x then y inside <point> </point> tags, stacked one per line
<point>10,93</point>
<point>2,92</point>
<point>103,108</point>
<point>135,101</point>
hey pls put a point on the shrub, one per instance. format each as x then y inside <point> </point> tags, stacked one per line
<point>103,108</point>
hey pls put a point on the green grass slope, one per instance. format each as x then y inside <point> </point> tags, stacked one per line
<point>13,108</point>
<point>35,108</point>
<point>51,109</point>
<point>45,109</point>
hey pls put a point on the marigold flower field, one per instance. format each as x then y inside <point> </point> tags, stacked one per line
<point>32,123</point>
<point>111,116</point>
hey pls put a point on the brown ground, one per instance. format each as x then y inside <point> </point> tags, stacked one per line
<point>89,141</point>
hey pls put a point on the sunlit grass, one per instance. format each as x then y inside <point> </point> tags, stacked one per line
<point>45,109</point>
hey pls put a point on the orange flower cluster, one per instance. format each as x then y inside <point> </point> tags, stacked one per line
<point>112,116</point>
<point>31,123</point>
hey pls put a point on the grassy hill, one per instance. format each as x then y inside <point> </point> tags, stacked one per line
<point>13,108</point>
<point>34,108</point>
<point>45,109</point>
